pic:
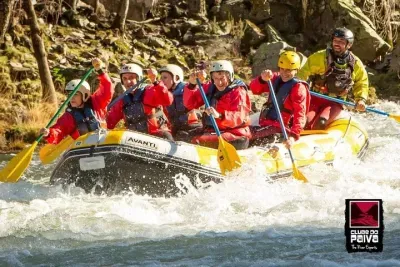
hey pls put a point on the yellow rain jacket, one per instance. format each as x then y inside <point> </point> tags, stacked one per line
<point>317,65</point>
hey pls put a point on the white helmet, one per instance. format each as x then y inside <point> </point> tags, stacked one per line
<point>132,68</point>
<point>175,70</point>
<point>84,89</point>
<point>222,65</point>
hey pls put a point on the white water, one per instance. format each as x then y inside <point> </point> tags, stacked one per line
<point>243,221</point>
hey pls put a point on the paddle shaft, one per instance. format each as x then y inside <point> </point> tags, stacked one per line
<point>340,101</point>
<point>214,123</point>
<point>227,155</point>
<point>67,101</point>
<point>124,94</point>
<point>278,113</point>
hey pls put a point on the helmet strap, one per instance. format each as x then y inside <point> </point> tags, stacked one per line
<point>340,58</point>
<point>175,79</point>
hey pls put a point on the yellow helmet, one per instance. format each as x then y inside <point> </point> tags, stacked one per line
<point>289,60</point>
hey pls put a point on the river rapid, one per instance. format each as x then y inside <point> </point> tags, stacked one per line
<point>244,221</point>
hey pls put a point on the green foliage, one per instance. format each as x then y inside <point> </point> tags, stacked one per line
<point>76,51</point>
<point>58,78</point>
<point>141,45</point>
<point>122,46</point>
<point>19,53</point>
<point>64,31</point>
<point>7,87</point>
<point>13,52</point>
<point>29,87</point>
<point>3,60</point>
<point>94,43</point>
<point>26,134</point>
<point>237,28</point>
<point>13,133</point>
<point>214,26</point>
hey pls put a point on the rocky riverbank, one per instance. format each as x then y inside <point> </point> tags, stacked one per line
<point>250,33</point>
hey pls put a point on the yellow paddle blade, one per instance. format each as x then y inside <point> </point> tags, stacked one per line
<point>228,157</point>
<point>17,165</point>
<point>396,117</point>
<point>297,174</point>
<point>50,152</point>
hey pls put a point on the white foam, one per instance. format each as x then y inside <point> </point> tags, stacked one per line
<point>247,200</point>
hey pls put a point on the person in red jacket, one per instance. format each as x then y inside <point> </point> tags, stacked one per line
<point>142,109</point>
<point>293,98</point>
<point>184,122</point>
<point>85,111</point>
<point>229,105</point>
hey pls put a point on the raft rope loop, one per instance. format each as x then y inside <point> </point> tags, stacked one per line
<point>341,139</point>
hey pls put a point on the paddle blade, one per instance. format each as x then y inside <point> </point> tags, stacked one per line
<point>17,165</point>
<point>228,157</point>
<point>50,152</point>
<point>396,117</point>
<point>298,175</point>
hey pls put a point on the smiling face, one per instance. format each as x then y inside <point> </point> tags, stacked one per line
<point>167,79</point>
<point>340,45</point>
<point>287,74</point>
<point>221,79</point>
<point>129,79</point>
<point>77,100</point>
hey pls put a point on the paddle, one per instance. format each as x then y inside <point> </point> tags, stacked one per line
<point>296,173</point>
<point>17,165</point>
<point>50,152</point>
<point>340,101</point>
<point>124,94</point>
<point>228,157</point>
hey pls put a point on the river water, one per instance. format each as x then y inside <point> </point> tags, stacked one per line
<point>244,221</point>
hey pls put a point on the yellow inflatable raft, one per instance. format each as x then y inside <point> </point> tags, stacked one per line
<point>112,161</point>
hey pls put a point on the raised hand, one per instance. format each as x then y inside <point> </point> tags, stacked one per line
<point>97,64</point>
<point>152,74</point>
<point>201,74</point>
<point>266,75</point>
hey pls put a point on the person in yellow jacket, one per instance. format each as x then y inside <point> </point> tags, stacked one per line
<point>334,71</point>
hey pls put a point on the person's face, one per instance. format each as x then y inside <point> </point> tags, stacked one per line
<point>167,79</point>
<point>339,45</point>
<point>129,79</point>
<point>77,100</point>
<point>287,74</point>
<point>221,79</point>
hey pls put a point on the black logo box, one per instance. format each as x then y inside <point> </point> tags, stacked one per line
<point>379,228</point>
